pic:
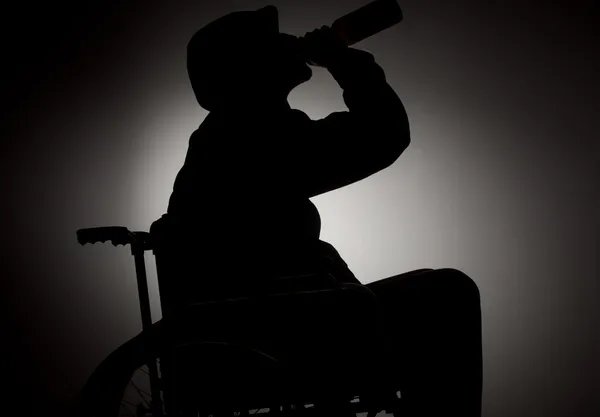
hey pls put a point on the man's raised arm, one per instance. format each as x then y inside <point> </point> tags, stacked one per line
<point>347,146</point>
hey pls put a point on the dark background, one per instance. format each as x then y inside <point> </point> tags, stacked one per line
<point>500,181</point>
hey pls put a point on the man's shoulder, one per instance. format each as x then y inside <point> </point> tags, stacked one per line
<point>213,125</point>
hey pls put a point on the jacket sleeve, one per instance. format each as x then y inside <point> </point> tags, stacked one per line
<point>348,146</point>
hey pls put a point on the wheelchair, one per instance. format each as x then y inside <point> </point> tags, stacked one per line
<point>302,345</point>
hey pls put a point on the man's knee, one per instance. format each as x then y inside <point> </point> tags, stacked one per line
<point>428,284</point>
<point>459,281</point>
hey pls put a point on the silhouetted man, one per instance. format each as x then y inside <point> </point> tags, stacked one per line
<point>240,213</point>
<point>254,163</point>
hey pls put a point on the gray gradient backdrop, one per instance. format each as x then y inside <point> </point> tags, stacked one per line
<point>500,181</point>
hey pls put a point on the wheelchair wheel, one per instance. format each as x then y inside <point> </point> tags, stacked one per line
<point>201,391</point>
<point>226,380</point>
<point>137,401</point>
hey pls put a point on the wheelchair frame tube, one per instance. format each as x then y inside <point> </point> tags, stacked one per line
<point>137,250</point>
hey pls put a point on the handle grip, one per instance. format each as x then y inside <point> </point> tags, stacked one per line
<point>118,235</point>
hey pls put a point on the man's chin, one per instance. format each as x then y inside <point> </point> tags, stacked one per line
<point>305,74</point>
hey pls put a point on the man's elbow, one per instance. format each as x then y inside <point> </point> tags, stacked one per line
<point>396,149</point>
<point>394,124</point>
<point>395,138</point>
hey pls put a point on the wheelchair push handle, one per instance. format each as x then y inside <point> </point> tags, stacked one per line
<point>118,235</point>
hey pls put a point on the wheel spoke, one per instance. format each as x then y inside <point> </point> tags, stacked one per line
<point>128,410</point>
<point>141,392</point>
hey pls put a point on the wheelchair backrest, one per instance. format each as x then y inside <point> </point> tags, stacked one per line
<point>188,273</point>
